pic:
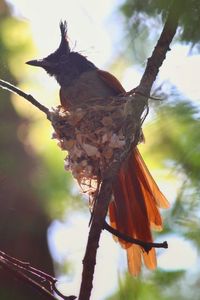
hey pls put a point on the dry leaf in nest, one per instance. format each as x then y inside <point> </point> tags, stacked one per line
<point>91,150</point>
<point>107,121</point>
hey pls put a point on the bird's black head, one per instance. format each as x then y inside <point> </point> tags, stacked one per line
<point>64,64</point>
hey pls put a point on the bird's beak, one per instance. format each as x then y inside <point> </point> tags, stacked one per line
<point>39,63</point>
<point>35,62</point>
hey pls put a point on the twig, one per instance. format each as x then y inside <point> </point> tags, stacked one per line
<point>147,246</point>
<point>135,91</point>
<point>103,199</point>
<point>8,86</point>
<point>36,278</point>
<point>26,266</point>
<point>27,280</point>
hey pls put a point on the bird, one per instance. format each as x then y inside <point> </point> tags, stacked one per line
<point>134,209</point>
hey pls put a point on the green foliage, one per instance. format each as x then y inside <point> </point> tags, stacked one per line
<point>177,136</point>
<point>138,13</point>
<point>177,133</point>
<point>136,288</point>
<point>166,278</point>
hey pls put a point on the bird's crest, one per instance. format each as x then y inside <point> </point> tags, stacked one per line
<point>64,44</point>
<point>63,30</point>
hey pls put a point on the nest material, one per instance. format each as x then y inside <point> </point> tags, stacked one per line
<point>94,137</point>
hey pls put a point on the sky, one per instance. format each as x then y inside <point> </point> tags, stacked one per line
<point>93,30</point>
<point>87,21</point>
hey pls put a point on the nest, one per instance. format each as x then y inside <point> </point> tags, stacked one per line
<point>94,138</point>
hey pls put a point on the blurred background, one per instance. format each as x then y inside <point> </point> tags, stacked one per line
<point>43,219</point>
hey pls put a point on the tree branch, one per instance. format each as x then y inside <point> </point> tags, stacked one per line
<point>8,86</point>
<point>42,282</point>
<point>89,260</point>
<point>147,246</point>
<point>138,104</point>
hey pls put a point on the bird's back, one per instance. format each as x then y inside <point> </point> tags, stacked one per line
<point>88,87</point>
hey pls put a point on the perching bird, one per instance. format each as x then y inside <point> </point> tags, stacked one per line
<point>136,196</point>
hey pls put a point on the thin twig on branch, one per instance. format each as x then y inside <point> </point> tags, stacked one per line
<point>147,246</point>
<point>8,86</point>
<point>27,280</point>
<point>42,282</point>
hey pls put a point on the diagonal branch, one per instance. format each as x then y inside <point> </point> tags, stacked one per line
<point>42,282</point>
<point>12,269</point>
<point>103,199</point>
<point>8,86</point>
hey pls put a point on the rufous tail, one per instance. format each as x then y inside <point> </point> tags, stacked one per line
<point>134,210</point>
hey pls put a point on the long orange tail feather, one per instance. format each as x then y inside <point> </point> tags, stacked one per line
<point>134,209</point>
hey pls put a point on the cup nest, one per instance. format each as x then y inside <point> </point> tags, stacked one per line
<point>94,138</point>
